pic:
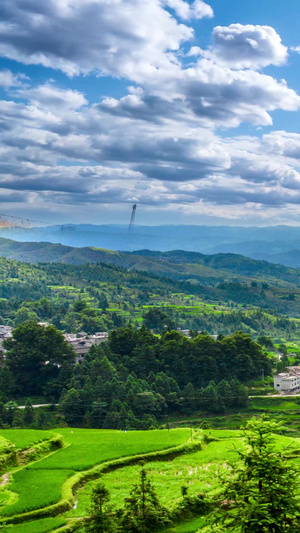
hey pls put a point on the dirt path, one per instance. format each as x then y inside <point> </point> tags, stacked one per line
<point>4,480</point>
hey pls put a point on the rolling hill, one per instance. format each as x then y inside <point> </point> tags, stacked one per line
<point>272,243</point>
<point>177,264</point>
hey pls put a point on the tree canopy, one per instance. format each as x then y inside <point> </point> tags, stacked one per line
<point>35,356</point>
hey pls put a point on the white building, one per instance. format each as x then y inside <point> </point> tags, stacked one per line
<point>288,381</point>
<point>5,333</point>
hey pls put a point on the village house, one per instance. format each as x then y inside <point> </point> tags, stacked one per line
<point>5,333</point>
<point>288,381</point>
<point>82,342</point>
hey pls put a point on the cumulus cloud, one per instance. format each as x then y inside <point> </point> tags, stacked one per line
<point>186,11</point>
<point>256,168</point>
<point>283,143</point>
<point>214,94</point>
<point>8,79</point>
<point>247,46</point>
<point>171,163</point>
<point>156,144</point>
<point>52,97</point>
<point>130,38</point>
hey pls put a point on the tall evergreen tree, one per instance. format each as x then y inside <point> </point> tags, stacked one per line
<point>143,512</point>
<point>28,413</point>
<point>101,519</point>
<point>262,495</point>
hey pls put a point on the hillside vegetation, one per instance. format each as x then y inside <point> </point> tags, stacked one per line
<point>98,297</point>
<point>198,460</point>
<point>178,264</point>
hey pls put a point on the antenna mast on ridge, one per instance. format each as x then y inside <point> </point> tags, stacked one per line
<point>131,223</point>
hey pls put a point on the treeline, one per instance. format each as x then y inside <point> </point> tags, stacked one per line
<point>135,379</point>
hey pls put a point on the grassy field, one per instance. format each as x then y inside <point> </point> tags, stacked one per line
<point>44,525</point>
<point>104,445</point>
<point>4,443</point>
<point>198,471</point>
<point>24,438</point>
<point>35,489</point>
<point>191,526</point>
<point>40,483</point>
<point>275,404</point>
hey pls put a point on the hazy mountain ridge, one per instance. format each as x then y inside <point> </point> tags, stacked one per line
<point>280,244</point>
<point>177,264</point>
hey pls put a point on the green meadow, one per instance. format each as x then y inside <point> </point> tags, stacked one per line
<point>24,438</point>
<point>45,525</point>
<point>198,471</point>
<point>43,482</point>
<point>40,483</point>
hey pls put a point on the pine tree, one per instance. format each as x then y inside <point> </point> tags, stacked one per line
<point>239,395</point>
<point>28,413</point>
<point>225,392</point>
<point>211,399</point>
<point>189,395</point>
<point>261,497</point>
<point>143,512</point>
<point>101,519</point>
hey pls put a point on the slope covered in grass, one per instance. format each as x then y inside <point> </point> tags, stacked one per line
<point>23,438</point>
<point>40,484</point>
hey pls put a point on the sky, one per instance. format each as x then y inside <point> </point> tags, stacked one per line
<point>188,109</point>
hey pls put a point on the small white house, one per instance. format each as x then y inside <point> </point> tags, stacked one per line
<point>286,382</point>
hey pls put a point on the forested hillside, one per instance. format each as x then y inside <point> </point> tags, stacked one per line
<point>177,264</point>
<point>97,297</point>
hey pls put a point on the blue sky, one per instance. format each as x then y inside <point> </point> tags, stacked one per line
<point>189,109</point>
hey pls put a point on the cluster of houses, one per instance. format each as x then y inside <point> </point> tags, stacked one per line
<point>81,342</point>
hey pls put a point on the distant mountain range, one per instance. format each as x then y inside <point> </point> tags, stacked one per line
<point>277,244</point>
<point>177,264</point>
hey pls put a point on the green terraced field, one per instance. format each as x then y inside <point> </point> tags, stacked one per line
<point>23,438</point>
<point>40,483</point>
<point>104,445</point>
<point>35,489</point>
<point>198,471</point>
<point>44,525</point>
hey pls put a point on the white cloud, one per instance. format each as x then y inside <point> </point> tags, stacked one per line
<point>130,38</point>
<point>218,95</point>
<point>283,143</point>
<point>186,11</point>
<point>175,164</point>
<point>157,144</point>
<point>52,97</point>
<point>8,79</point>
<point>248,46</point>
